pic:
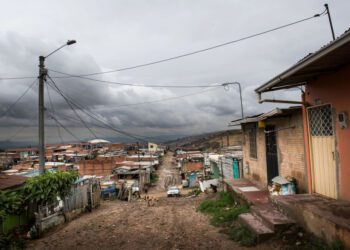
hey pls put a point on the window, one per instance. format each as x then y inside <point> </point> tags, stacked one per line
<point>252,141</point>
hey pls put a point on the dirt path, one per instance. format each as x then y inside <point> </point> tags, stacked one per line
<point>167,173</point>
<point>171,223</point>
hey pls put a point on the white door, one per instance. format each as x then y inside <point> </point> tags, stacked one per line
<point>322,150</point>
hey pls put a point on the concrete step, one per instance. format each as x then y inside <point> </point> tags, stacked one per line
<point>272,218</point>
<point>256,226</point>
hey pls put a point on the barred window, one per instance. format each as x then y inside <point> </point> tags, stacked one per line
<point>320,120</point>
<point>252,142</point>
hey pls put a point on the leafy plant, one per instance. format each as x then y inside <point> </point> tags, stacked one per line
<point>11,202</point>
<point>45,188</point>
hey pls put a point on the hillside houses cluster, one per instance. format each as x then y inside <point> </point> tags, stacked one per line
<point>102,159</point>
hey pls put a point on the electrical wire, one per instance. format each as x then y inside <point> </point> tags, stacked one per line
<point>51,104</point>
<point>64,127</point>
<point>18,99</point>
<point>72,107</point>
<point>135,84</point>
<point>95,117</point>
<point>165,99</point>
<point>201,50</point>
<point>174,57</point>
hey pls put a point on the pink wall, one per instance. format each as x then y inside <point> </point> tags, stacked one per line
<point>334,88</point>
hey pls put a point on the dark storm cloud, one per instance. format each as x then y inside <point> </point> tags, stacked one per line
<point>118,34</point>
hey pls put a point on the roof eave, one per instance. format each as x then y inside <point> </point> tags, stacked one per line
<point>303,63</point>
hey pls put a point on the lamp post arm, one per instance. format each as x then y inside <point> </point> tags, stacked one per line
<point>240,95</point>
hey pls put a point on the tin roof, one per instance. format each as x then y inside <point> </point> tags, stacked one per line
<point>11,181</point>
<point>273,113</point>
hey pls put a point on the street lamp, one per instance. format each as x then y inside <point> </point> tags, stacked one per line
<point>240,94</point>
<point>42,78</point>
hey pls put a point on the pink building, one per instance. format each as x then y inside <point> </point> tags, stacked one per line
<point>325,99</point>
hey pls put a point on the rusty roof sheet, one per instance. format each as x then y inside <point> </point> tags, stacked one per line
<point>11,181</point>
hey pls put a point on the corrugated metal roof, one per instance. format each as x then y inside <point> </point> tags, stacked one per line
<point>329,58</point>
<point>11,181</point>
<point>273,113</point>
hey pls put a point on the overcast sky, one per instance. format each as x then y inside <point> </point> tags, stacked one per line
<point>116,34</point>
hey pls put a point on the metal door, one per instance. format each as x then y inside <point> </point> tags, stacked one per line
<point>271,153</point>
<point>322,150</point>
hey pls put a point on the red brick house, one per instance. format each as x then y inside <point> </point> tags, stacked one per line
<point>325,76</point>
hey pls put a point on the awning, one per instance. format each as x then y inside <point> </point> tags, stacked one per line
<point>329,58</point>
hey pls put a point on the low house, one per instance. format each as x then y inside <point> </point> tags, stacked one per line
<point>274,146</point>
<point>323,78</point>
<point>152,147</point>
<point>23,152</point>
<point>326,107</point>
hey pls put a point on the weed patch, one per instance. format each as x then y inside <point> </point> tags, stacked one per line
<point>224,211</point>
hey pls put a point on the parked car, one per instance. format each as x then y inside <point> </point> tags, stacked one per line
<point>173,191</point>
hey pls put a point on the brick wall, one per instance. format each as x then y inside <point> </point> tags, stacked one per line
<point>99,166</point>
<point>257,167</point>
<point>290,150</point>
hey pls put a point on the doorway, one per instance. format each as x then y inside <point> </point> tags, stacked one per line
<point>271,153</point>
<point>322,150</point>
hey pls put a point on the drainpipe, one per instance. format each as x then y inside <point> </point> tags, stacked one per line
<point>307,144</point>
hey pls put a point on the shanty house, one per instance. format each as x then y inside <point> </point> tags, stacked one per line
<point>273,146</point>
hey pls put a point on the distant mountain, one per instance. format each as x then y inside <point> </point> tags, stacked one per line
<point>207,141</point>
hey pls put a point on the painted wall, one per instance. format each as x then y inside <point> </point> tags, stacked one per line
<point>334,89</point>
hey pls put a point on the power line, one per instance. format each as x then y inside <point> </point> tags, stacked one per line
<point>174,57</point>
<point>95,117</point>
<point>201,50</point>
<point>18,78</point>
<point>165,99</point>
<point>134,84</point>
<point>51,104</point>
<point>71,106</point>
<point>64,127</point>
<point>18,99</point>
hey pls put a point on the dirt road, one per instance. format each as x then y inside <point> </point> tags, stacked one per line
<point>171,223</point>
<point>168,174</point>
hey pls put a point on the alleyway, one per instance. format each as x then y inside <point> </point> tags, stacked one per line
<point>171,223</point>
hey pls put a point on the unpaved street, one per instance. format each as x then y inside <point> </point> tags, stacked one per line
<point>169,223</point>
<point>167,173</point>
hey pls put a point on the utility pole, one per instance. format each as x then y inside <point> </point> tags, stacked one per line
<point>138,156</point>
<point>42,78</point>
<point>330,20</point>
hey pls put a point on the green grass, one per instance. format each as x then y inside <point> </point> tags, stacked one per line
<point>223,210</point>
